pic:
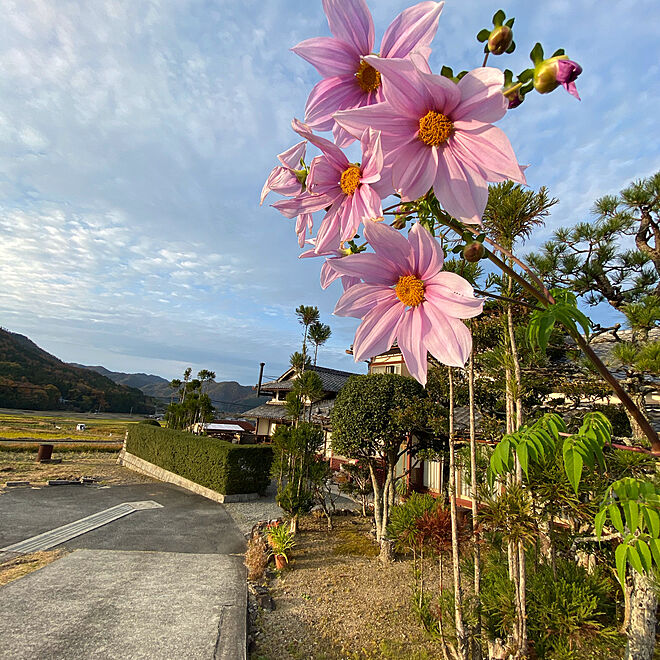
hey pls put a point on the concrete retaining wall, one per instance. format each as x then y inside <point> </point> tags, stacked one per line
<point>144,467</point>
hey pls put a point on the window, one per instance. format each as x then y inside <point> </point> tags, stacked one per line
<point>393,369</point>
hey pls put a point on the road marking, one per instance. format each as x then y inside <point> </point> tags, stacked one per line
<point>67,532</point>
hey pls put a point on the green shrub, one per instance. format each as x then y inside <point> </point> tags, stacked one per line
<point>149,422</point>
<point>221,466</point>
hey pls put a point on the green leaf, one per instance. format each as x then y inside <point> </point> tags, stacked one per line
<point>599,521</point>
<point>448,72</point>
<point>523,456</point>
<point>654,544</point>
<point>498,18</point>
<point>537,54</point>
<point>644,554</point>
<point>482,36</point>
<point>510,22</point>
<point>511,48</point>
<point>620,555</point>
<point>526,75</point>
<point>652,520</point>
<point>634,559</point>
<point>615,517</point>
<point>631,511</point>
<point>573,463</point>
<point>559,51</point>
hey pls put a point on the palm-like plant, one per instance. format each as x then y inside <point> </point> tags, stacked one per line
<point>319,333</point>
<point>307,315</point>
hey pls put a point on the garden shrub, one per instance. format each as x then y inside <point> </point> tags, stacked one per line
<point>150,422</point>
<point>221,466</point>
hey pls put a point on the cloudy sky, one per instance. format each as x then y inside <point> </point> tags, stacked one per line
<point>135,137</point>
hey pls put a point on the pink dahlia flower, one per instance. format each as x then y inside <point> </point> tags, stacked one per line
<point>284,180</point>
<point>349,81</point>
<point>406,296</point>
<point>343,188</point>
<point>436,133</point>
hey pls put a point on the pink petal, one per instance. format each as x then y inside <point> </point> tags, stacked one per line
<point>330,57</point>
<point>328,274</point>
<point>281,181</point>
<point>350,21</point>
<point>291,157</point>
<point>451,303</point>
<point>327,237</point>
<point>352,214</point>
<point>427,254</point>
<point>395,129</point>
<point>460,189</point>
<point>304,203</point>
<point>328,96</point>
<point>372,156</point>
<point>324,177</point>
<point>410,338</point>
<point>361,298</point>
<point>378,329</point>
<point>347,282</point>
<point>412,29</point>
<point>342,137</point>
<point>332,152</point>
<point>414,169</point>
<point>571,88</point>
<point>389,245</point>
<point>448,340</point>
<point>371,268</point>
<point>452,282</point>
<point>304,223</point>
<point>365,206</point>
<point>488,150</point>
<point>444,93</point>
<point>481,96</point>
<point>401,86</point>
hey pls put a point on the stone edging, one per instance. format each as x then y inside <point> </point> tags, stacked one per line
<point>144,467</point>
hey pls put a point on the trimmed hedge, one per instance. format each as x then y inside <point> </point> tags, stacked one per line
<point>221,466</point>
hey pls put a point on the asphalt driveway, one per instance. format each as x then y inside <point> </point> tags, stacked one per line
<point>159,583</point>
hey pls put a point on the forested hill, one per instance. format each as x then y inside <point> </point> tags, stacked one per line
<point>226,396</point>
<point>33,379</point>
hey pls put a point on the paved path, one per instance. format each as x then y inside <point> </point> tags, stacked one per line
<point>161,583</point>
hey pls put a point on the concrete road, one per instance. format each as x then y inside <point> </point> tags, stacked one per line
<point>160,583</point>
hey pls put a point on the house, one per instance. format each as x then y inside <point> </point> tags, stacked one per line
<point>272,413</point>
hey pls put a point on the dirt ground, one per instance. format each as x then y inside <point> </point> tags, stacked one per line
<point>21,466</point>
<point>13,569</point>
<point>331,604</point>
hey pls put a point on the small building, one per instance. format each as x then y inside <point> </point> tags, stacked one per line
<point>80,427</point>
<point>231,430</point>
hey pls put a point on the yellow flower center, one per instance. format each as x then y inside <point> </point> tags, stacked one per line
<point>435,128</point>
<point>410,290</point>
<point>350,179</point>
<point>367,77</point>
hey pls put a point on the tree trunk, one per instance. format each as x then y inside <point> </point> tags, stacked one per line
<point>461,638</point>
<point>517,393</point>
<point>293,526</point>
<point>639,400</point>
<point>477,652</point>
<point>643,608</point>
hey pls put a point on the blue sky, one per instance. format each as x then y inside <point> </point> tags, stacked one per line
<point>135,138</point>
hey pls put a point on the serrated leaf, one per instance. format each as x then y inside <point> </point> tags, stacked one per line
<point>573,463</point>
<point>536,54</point>
<point>631,511</point>
<point>644,554</point>
<point>599,521</point>
<point>652,520</point>
<point>498,18</point>
<point>615,517</point>
<point>510,22</point>
<point>654,544</point>
<point>620,556</point>
<point>482,36</point>
<point>634,559</point>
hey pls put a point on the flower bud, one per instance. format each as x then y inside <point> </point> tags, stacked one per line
<point>400,221</point>
<point>500,40</point>
<point>473,252</point>
<point>555,71</point>
<point>513,95</point>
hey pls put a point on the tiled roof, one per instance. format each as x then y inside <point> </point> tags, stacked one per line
<point>266,411</point>
<point>332,380</point>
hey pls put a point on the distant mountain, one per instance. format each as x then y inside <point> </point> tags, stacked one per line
<point>226,396</point>
<point>34,379</point>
